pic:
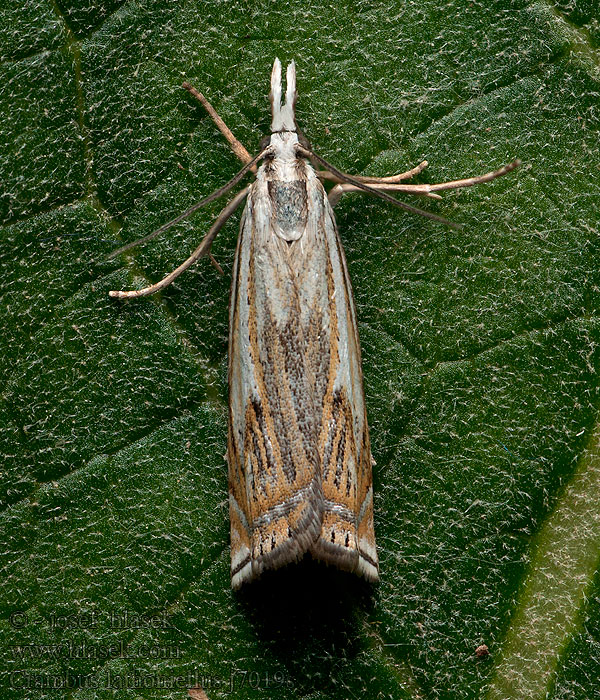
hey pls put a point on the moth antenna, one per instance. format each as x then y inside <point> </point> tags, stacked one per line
<point>372,190</point>
<point>188,212</point>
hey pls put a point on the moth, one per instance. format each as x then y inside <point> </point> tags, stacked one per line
<point>300,465</point>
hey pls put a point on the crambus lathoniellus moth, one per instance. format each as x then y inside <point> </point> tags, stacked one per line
<point>300,476</point>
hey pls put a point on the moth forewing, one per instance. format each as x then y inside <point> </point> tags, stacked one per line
<point>273,477</point>
<point>347,536</point>
<point>299,456</point>
<point>300,476</point>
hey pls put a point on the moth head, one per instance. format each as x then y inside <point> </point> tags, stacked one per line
<point>284,118</point>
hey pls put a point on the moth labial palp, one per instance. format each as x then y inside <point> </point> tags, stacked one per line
<point>299,456</point>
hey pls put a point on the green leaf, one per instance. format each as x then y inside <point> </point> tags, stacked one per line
<point>480,351</point>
